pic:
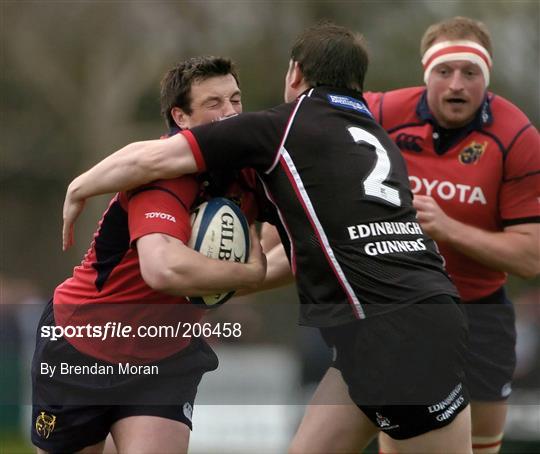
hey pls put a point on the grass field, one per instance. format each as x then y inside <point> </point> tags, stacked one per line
<point>14,444</point>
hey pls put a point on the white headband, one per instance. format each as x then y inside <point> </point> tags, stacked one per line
<point>457,50</point>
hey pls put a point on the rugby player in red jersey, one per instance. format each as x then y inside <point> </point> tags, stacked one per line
<point>474,167</point>
<point>135,274</point>
<point>367,275</point>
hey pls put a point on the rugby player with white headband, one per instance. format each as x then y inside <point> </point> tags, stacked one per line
<point>474,166</point>
<point>457,50</point>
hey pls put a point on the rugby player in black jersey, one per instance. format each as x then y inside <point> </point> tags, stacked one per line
<point>367,275</point>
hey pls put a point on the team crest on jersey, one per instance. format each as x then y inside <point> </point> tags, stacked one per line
<point>45,424</point>
<point>472,152</point>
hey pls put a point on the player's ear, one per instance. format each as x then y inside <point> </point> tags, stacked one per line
<point>180,118</point>
<point>297,76</point>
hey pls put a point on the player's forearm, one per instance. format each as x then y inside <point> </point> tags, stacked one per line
<point>515,252</point>
<point>208,279</point>
<point>135,164</point>
<point>120,171</point>
<point>193,274</point>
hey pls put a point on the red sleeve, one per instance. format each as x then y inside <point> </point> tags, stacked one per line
<point>195,150</point>
<point>374,103</point>
<point>520,192</point>
<point>162,207</point>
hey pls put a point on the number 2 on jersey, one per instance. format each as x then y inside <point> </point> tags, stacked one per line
<point>374,183</point>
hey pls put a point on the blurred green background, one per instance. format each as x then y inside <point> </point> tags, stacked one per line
<point>79,79</point>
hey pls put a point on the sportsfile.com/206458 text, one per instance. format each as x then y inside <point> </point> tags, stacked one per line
<point>121,330</point>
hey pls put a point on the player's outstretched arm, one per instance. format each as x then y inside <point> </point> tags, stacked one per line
<point>169,266</point>
<point>135,164</point>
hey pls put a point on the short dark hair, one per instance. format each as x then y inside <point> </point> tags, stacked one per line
<point>458,27</point>
<point>176,83</point>
<point>329,54</point>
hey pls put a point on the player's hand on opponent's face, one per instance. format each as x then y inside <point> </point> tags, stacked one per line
<point>72,209</point>
<point>257,260</point>
<point>432,218</point>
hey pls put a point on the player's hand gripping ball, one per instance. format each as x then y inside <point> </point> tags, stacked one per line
<point>220,231</point>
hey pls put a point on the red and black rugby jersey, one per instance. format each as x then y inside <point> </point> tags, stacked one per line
<point>486,174</point>
<point>108,287</point>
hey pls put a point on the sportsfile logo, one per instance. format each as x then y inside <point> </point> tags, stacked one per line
<point>158,215</point>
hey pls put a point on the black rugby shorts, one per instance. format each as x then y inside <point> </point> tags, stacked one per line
<point>491,357</point>
<point>405,369</point>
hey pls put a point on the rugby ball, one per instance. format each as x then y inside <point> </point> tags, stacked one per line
<point>220,231</point>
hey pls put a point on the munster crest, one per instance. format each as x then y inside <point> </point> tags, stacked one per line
<point>472,152</point>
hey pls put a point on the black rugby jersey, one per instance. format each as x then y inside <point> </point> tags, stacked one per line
<point>341,190</point>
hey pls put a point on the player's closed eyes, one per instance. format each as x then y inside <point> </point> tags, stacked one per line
<point>212,104</point>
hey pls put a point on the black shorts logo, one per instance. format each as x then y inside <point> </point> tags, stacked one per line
<point>45,424</point>
<point>384,423</point>
<point>188,411</point>
<point>450,406</point>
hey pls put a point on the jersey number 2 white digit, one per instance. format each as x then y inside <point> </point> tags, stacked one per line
<point>374,183</point>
